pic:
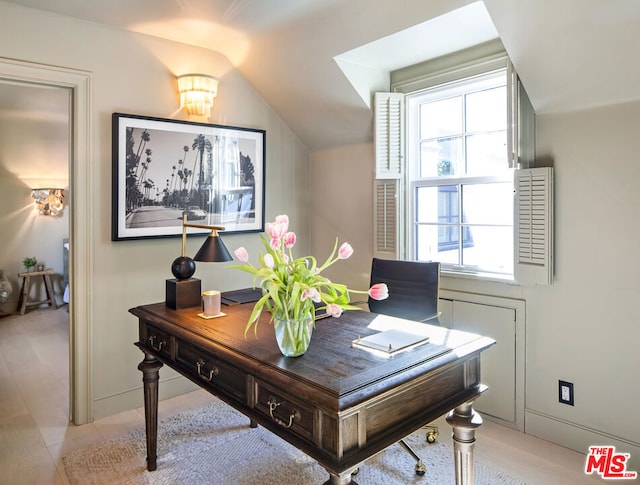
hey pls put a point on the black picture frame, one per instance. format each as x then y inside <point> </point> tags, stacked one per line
<point>163,168</point>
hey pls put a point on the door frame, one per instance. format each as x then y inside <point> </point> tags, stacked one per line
<point>80,222</point>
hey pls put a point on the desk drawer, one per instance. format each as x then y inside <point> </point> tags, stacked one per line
<point>211,371</point>
<point>157,340</point>
<point>284,411</point>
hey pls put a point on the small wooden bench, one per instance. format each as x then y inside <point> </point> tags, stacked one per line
<point>24,302</point>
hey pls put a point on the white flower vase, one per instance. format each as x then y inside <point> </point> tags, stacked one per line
<point>293,336</point>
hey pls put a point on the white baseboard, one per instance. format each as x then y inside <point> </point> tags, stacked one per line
<point>577,437</point>
<point>134,398</point>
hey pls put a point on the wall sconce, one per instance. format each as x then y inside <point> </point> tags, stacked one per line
<point>49,202</point>
<point>5,288</point>
<point>185,291</point>
<point>197,92</point>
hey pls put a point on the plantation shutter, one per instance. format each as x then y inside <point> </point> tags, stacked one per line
<point>385,223</point>
<point>533,226</point>
<point>388,135</point>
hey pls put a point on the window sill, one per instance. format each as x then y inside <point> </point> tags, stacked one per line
<point>490,277</point>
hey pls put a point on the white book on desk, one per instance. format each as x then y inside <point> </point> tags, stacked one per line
<point>391,341</point>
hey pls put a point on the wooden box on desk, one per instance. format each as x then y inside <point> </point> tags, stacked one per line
<point>183,293</point>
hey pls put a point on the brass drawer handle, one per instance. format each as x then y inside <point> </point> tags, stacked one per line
<point>152,340</point>
<point>212,373</point>
<point>273,405</point>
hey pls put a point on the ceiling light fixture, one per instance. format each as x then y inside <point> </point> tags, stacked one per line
<point>197,92</point>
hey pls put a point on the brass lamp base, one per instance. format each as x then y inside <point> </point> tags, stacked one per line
<point>183,293</point>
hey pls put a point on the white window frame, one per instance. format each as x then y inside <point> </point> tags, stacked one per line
<point>521,156</point>
<point>413,182</point>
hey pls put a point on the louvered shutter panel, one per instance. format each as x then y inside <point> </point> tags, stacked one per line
<point>534,226</point>
<point>388,133</point>
<point>385,224</point>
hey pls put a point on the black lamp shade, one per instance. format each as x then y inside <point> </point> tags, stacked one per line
<point>213,251</point>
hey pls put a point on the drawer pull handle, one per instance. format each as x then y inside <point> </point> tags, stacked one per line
<point>152,340</point>
<point>212,373</point>
<point>273,405</point>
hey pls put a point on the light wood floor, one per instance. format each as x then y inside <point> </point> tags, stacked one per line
<point>35,432</point>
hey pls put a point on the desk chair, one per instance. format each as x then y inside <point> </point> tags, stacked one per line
<point>413,294</point>
<point>413,289</point>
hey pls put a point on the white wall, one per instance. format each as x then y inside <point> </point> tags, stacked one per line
<point>342,206</point>
<point>135,74</point>
<point>584,328</point>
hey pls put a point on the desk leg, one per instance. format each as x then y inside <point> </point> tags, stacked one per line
<point>464,421</point>
<point>344,479</point>
<point>150,368</point>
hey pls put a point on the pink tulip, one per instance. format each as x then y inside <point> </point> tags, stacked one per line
<point>379,291</point>
<point>312,293</point>
<point>275,244</point>
<point>284,220</point>
<point>334,310</point>
<point>268,261</point>
<point>289,239</point>
<point>242,254</point>
<point>345,251</point>
<point>276,230</point>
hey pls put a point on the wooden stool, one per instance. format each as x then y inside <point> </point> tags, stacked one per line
<point>23,302</point>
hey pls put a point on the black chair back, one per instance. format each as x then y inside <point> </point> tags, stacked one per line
<point>413,289</point>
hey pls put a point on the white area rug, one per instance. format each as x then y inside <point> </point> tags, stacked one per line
<point>214,445</point>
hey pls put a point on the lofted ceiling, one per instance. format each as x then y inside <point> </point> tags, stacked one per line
<point>570,54</point>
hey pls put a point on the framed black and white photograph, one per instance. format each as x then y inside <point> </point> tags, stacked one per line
<point>164,169</point>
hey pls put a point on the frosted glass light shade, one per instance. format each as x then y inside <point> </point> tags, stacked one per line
<point>197,92</point>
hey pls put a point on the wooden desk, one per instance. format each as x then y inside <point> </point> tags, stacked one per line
<point>23,302</point>
<point>338,404</point>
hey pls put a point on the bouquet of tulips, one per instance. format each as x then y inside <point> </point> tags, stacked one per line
<point>294,288</point>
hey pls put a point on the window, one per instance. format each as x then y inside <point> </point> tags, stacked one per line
<point>454,178</point>
<point>460,184</point>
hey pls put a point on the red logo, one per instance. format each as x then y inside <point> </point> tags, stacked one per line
<point>607,463</point>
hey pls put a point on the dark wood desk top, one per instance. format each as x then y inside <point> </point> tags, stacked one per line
<point>331,365</point>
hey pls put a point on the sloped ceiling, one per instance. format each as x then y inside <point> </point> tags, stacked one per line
<point>570,54</point>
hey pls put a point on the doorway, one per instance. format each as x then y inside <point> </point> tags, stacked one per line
<point>77,85</point>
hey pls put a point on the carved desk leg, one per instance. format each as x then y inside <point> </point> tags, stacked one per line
<point>150,368</point>
<point>464,421</point>
<point>342,479</point>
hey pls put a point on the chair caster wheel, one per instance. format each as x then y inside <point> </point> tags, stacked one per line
<point>421,469</point>
<point>355,472</point>
<point>432,434</point>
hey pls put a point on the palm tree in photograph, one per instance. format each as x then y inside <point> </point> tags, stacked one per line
<point>145,167</point>
<point>145,137</point>
<point>200,144</point>
<point>133,194</point>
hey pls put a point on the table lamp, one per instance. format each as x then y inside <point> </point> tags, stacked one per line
<point>183,291</point>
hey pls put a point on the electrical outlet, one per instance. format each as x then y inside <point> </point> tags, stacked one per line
<point>565,392</point>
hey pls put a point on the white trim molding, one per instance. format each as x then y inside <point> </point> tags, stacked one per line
<point>81,226</point>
